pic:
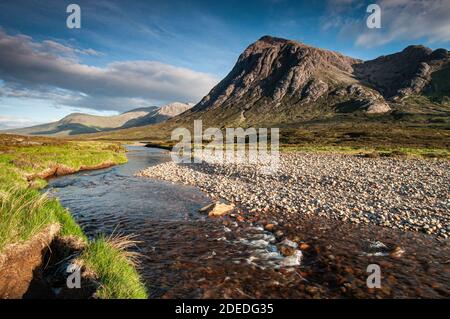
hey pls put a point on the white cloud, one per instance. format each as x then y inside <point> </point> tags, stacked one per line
<point>31,66</point>
<point>410,20</point>
<point>10,122</point>
<point>400,19</point>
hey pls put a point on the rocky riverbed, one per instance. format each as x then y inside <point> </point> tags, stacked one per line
<point>408,194</point>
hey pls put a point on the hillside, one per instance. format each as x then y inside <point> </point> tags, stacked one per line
<point>315,94</point>
<point>79,123</point>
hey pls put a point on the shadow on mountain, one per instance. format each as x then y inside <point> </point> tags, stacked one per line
<point>348,106</point>
<point>71,129</point>
<point>151,118</point>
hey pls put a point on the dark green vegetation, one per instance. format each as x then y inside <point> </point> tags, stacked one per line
<point>24,211</point>
<point>415,123</point>
<point>439,88</point>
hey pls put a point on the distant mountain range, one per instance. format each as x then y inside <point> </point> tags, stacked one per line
<point>79,123</point>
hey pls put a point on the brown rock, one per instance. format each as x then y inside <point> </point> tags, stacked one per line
<point>220,209</point>
<point>207,208</point>
<point>304,246</point>
<point>397,252</point>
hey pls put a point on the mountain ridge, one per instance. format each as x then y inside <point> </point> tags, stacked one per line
<point>314,94</point>
<point>297,83</point>
<point>82,123</point>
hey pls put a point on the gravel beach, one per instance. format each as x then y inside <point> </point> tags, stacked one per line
<point>409,194</point>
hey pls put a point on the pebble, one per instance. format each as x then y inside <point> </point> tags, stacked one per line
<point>409,194</point>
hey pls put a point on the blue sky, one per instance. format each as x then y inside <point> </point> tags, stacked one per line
<point>131,54</point>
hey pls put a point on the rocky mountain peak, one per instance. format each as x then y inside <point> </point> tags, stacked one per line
<point>416,51</point>
<point>272,40</point>
<point>403,73</point>
<point>274,68</point>
<point>285,78</point>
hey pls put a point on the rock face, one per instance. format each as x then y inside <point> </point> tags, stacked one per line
<point>404,73</point>
<point>276,80</point>
<point>276,68</point>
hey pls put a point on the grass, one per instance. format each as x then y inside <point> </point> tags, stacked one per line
<point>25,211</point>
<point>414,122</point>
<point>371,151</point>
<point>414,128</point>
<point>21,157</point>
<point>116,266</point>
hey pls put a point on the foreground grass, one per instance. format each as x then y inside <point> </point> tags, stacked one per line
<point>22,157</point>
<point>115,267</point>
<point>25,211</point>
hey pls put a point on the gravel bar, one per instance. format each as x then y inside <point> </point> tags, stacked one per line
<point>409,194</point>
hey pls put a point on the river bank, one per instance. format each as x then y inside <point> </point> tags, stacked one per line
<point>31,223</point>
<point>406,194</point>
<point>332,213</point>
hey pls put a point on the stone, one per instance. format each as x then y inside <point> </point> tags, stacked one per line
<point>220,209</point>
<point>293,260</point>
<point>287,250</point>
<point>397,252</point>
<point>304,246</point>
<point>207,208</point>
<point>289,243</point>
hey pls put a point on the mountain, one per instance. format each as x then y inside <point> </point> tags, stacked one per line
<point>79,123</point>
<point>278,81</point>
<point>158,115</point>
<point>320,96</point>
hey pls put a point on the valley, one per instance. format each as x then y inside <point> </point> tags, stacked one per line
<point>363,179</point>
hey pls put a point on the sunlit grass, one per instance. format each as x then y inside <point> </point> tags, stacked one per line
<point>114,264</point>
<point>25,211</point>
<point>380,151</point>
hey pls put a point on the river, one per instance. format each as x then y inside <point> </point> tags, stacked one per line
<point>177,243</point>
<point>186,254</point>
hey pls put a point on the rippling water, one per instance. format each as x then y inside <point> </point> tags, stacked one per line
<point>164,216</point>
<point>188,255</point>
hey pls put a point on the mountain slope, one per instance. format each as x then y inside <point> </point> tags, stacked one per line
<point>400,74</point>
<point>79,123</point>
<point>313,94</point>
<point>278,81</point>
<point>160,115</point>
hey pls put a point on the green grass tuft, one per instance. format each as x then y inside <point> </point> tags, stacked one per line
<point>25,212</point>
<point>115,270</point>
